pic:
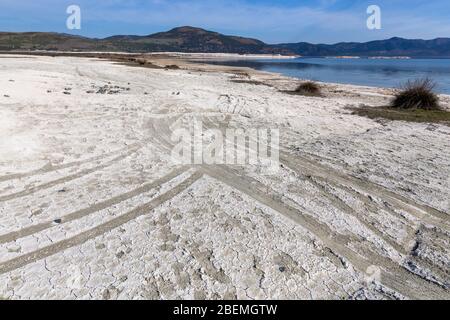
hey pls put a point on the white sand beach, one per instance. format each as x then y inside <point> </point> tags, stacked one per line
<point>92,207</point>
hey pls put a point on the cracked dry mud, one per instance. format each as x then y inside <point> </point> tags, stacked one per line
<point>92,207</point>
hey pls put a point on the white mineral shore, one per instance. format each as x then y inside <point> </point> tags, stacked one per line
<point>93,207</point>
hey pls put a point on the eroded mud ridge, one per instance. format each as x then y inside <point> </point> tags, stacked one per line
<point>93,207</point>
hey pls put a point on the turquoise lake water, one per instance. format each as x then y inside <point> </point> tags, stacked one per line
<point>370,72</point>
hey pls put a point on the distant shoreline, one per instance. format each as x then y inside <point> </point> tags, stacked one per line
<point>165,60</point>
<point>233,56</point>
<point>380,72</point>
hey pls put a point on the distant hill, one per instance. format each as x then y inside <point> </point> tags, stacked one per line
<point>49,41</point>
<point>392,47</point>
<point>183,39</point>
<point>190,39</point>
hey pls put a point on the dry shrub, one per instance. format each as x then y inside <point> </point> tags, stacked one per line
<point>417,94</point>
<point>308,88</point>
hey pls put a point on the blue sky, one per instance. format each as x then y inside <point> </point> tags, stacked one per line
<point>273,21</point>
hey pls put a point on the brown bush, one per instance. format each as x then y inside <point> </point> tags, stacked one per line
<point>417,94</point>
<point>308,88</point>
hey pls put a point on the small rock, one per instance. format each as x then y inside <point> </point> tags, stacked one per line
<point>67,93</point>
<point>120,254</point>
<point>282,269</point>
<point>111,293</point>
<point>57,221</point>
<point>36,212</point>
<point>15,248</point>
<point>6,96</point>
<point>100,246</point>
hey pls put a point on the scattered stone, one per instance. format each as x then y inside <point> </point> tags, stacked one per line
<point>36,212</point>
<point>100,246</point>
<point>67,93</point>
<point>111,293</point>
<point>120,254</point>
<point>15,248</point>
<point>107,89</point>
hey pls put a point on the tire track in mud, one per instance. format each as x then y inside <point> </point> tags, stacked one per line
<point>368,223</point>
<point>426,214</point>
<point>302,165</point>
<point>393,275</point>
<point>403,248</point>
<point>49,168</point>
<point>93,233</point>
<point>374,207</point>
<point>65,179</point>
<point>27,231</point>
<point>371,186</point>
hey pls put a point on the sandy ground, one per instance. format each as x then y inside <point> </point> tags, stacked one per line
<point>93,207</point>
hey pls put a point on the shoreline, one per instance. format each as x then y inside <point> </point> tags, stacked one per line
<point>187,61</point>
<point>171,58</point>
<point>392,88</point>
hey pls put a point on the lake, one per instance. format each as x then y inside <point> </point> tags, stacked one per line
<point>368,72</point>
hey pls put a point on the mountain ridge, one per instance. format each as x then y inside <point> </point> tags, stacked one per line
<point>191,39</point>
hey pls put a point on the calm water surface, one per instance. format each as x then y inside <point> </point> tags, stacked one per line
<point>370,72</point>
